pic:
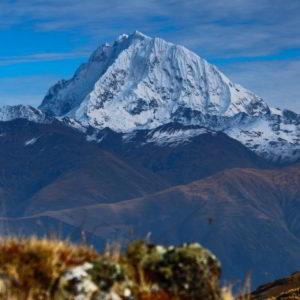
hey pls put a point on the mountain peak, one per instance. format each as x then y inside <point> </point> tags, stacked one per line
<point>8,113</point>
<point>135,34</point>
<point>139,34</point>
<point>122,37</point>
<point>122,42</point>
<point>142,82</point>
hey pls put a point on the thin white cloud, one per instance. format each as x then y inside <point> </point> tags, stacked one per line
<point>10,60</point>
<point>276,81</point>
<point>33,100</point>
<point>213,29</point>
<point>25,89</point>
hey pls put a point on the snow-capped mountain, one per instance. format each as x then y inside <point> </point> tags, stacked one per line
<point>9,113</point>
<point>274,136</point>
<point>140,82</point>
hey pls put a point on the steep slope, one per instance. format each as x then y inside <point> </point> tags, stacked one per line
<point>52,166</point>
<point>249,218</point>
<point>282,289</point>
<point>143,83</point>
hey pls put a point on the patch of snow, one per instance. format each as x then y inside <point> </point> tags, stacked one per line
<point>9,113</point>
<point>30,142</point>
<point>127,137</point>
<point>276,111</point>
<point>275,139</point>
<point>121,37</point>
<point>174,137</point>
<point>94,138</point>
<point>72,123</point>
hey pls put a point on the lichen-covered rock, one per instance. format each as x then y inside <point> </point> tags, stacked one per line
<point>187,271</point>
<point>105,273</point>
<point>93,281</point>
<point>77,283</point>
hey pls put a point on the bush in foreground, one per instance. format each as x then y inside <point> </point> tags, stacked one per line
<point>53,269</point>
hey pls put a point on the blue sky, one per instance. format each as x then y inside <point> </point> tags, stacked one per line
<point>254,42</point>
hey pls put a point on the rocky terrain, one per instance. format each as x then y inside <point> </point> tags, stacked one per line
<point>282,289</point>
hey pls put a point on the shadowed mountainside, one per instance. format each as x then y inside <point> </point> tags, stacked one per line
<point>180,162</point>
<point>51,166</point>
<point>249,218</point>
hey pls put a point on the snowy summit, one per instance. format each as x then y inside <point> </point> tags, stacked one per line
<point>143,82</point>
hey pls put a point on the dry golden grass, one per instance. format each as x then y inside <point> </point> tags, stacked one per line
<point>228,295</point>
<point>31,267</point>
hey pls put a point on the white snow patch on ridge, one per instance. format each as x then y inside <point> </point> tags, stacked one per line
<point>31,141</point>
<point>9,113</point>
<point>175,137</point>
<point>270,138</point>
